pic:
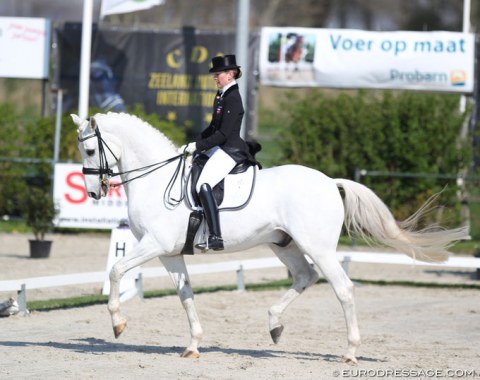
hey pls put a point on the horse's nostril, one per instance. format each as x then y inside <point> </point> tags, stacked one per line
<point>92,195</point>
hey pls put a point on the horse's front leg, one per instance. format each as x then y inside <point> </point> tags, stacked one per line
<point>144,251</point>
<point>175,266</point>
<point>118,322</point>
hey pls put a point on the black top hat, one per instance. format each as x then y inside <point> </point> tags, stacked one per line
<point>224,63</point>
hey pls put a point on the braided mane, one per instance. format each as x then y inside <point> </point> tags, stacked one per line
<point>112,120</point>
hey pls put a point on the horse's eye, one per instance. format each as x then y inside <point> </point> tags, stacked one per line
<point>90,152</point>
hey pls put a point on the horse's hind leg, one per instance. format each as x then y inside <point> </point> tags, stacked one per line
<point>343,288</point>
<point>303,276</point>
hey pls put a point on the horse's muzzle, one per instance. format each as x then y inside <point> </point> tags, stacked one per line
<point>93,195</point>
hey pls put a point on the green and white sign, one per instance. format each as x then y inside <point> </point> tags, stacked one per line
<point>346,58</point>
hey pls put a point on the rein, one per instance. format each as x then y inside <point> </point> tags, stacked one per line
<point>105,173</point>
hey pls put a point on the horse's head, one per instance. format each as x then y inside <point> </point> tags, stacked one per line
<point>98,156</point>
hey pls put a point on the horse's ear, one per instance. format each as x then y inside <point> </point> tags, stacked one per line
<point>76,119</point>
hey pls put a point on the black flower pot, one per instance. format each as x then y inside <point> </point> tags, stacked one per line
<point>40,249</point>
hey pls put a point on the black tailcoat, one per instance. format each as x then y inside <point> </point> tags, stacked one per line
<point>224,129</point>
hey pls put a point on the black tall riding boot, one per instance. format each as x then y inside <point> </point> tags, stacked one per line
<point>210,208</point>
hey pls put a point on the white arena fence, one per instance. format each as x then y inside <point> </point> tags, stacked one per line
<point>237,266</point>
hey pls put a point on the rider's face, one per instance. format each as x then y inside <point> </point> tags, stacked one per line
<point>223,78</point>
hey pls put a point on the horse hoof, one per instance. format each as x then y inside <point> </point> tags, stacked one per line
<point>118,329</point>
<point>352,360</point>
<point>190,354</point>
<point>276,333</point>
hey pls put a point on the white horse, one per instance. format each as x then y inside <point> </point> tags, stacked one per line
<point>295,210</point>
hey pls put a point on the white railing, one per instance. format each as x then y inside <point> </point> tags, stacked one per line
<point>237,266</point>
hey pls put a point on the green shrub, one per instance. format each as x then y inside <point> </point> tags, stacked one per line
<point>405,132</point>
<point>12,143</point>
<point>26,137</point>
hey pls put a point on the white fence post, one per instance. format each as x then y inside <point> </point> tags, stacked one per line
<point>139,286</point>
<point>240,279</point>
<point>22,300</point>
<point>346,263</point>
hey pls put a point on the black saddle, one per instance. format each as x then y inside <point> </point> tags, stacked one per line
<point>198,164</point>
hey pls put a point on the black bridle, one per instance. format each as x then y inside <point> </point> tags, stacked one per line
<point>105,173</point>
<point>103,170</point>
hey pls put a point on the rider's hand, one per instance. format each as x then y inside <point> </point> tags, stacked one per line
<point>189,148</point>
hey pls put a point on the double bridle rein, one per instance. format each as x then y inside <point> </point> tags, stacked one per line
<point>105,173</point>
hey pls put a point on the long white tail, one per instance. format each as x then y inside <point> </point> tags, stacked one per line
<point>368,217</point>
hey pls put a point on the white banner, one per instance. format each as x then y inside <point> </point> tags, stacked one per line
<point>77,210</point>
<point>346,58</point>
<point>110,7</point>
<point>24,47</point>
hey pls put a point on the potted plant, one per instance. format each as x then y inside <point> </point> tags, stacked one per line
<point>39,212</point>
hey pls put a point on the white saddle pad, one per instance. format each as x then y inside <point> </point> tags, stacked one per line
<point>237,189</point>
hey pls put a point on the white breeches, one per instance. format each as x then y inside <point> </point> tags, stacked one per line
<point>217,167</point>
